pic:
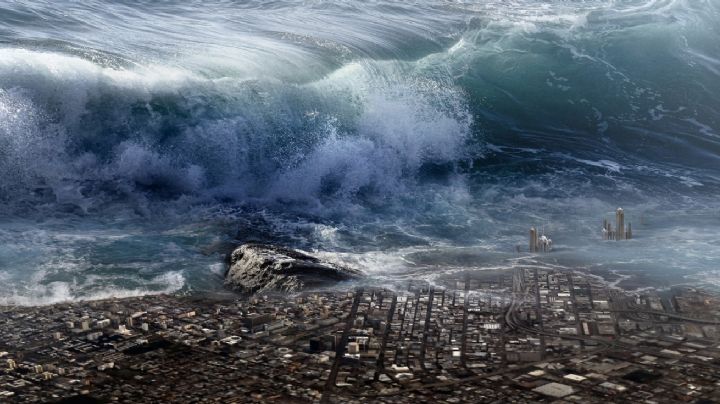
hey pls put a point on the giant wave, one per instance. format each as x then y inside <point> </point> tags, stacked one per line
<point>405,138</point>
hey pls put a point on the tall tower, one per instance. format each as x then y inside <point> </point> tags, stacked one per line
<point>606,230</point>
<point>620,224</point>
<point>533,239</point>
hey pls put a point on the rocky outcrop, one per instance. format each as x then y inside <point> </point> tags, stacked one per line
<point>258,267</point>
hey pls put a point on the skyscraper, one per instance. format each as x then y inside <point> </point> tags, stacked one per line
<point>539,242</point>
<point>607,230</point>
<point>621,232</point>
<point>619,224</point>
<point>533,239</point>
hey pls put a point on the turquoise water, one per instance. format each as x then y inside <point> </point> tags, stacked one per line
<point>410,139</point>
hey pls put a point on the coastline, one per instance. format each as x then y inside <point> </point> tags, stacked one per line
<point>623,281</point>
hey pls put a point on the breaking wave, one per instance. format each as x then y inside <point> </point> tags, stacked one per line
<point>85,134</point>
<point>375,129</point>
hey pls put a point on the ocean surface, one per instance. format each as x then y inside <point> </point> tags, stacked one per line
<point>410,139</point>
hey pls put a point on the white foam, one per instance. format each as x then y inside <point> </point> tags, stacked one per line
<point>37,294</point>
<point>395,124</point>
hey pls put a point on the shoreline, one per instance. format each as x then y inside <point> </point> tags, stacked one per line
<point>624,282</point>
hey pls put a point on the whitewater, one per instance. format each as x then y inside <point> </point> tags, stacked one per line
<point>139,140</point>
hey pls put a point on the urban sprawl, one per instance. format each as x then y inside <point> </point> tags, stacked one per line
<point>526,335</point>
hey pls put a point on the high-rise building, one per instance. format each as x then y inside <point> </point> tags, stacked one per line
<point>544,243</point>
<point>533,239</point>
<point>620,232</point>
<point>539,242</point>
<point>620,224</point>
<point>607,232</point>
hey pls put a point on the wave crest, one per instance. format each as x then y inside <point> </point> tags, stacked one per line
<point>112,133</point>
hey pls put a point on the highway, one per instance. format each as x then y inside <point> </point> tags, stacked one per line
<point>340,348</point>
<point>670,315</point>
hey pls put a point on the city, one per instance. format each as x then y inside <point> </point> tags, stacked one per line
<point>528,335</point>
<point>360,201</point>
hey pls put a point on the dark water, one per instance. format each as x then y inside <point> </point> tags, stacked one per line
<point>412,140</point>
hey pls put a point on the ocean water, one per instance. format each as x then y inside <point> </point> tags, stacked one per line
<point>413,140</point>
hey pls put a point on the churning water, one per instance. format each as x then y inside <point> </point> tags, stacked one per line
<point>410,139</point>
